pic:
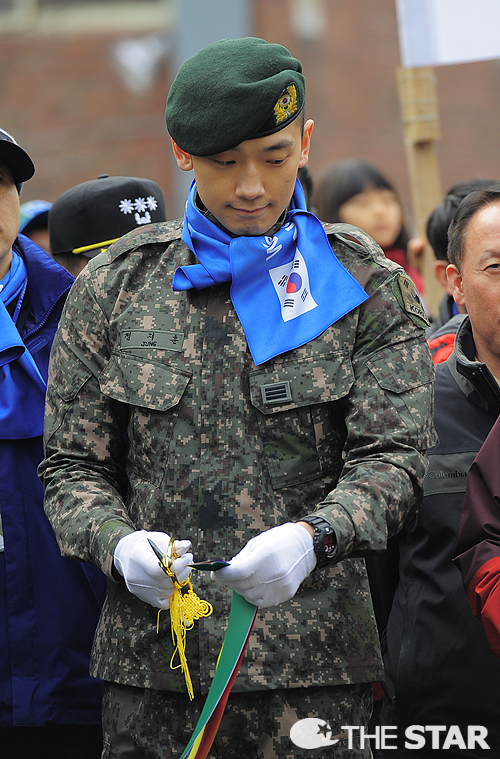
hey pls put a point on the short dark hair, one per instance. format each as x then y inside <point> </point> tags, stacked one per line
<point>467,209</point>
<point>440,218</point>
<point>343,181</point>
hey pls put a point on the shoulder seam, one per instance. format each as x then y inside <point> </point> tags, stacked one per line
<point>165,232</point>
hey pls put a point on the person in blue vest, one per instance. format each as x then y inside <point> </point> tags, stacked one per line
<point>49,605</point>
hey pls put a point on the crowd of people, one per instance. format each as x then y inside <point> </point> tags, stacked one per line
<point>258,383</point>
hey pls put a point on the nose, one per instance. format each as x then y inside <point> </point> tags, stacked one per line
<point>249,185</point>
<point>379,207</point>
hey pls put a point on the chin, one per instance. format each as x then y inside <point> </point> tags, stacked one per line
<point>247,230</point>
<point>253,232</point>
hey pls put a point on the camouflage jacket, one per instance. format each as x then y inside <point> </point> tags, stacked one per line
<point>158,419</point>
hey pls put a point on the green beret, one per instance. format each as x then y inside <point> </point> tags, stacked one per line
<point>231,91</point>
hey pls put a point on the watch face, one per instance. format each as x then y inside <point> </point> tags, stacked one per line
<point>329,545</point>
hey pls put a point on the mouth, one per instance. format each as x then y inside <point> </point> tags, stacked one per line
<point>249,212</point>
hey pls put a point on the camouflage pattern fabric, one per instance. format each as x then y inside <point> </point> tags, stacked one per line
<point>150,724</point>
<point>158,419</point>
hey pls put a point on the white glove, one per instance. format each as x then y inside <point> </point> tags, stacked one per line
<point>140,568</point>
<point>270,568</point>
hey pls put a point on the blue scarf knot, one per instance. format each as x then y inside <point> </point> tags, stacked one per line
<point>286,289</point>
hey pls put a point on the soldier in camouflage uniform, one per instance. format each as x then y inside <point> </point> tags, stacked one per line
<point>161,421</point>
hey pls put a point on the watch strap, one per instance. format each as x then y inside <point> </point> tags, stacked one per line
<point>324,541</point>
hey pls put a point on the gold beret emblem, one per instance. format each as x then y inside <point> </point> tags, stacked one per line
<point>286,105</point>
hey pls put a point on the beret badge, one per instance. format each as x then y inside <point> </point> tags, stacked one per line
<point>286,105</point>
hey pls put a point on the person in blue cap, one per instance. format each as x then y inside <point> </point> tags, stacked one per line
<point>35,222</point>
<point>49,605</point>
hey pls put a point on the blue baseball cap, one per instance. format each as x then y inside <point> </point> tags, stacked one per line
<point>35,210</point>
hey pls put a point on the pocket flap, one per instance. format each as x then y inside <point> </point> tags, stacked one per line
<point>143,383</point>
<point>301,383</point>
<point>68,384</point>
<point>400,367</point>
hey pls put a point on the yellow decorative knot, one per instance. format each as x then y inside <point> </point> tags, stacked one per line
<point>185,607</point>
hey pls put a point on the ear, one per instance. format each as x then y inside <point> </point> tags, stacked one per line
<point>183,159</point>
<point>455,284</point>
<point>440,274</point>
<point>306,142</point>
<point>415,251</point>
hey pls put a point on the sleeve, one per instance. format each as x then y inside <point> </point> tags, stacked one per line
<point>389,420</point>
<point>483,593</point>
<point>88,516</point>
<point>478,547</point>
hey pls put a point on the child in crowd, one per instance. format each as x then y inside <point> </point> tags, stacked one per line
<point>355,192</point>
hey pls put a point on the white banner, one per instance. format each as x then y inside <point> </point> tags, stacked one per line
<point>438,32</point>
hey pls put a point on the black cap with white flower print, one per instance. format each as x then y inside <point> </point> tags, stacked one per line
<point>90,216</point>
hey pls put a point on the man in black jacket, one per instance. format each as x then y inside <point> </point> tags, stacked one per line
<point>439,670</point>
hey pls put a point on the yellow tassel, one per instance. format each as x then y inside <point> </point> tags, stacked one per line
<point>185,608</point>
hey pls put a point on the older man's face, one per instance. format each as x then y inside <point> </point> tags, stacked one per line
<point>477,286</point>
<point>9,217</point>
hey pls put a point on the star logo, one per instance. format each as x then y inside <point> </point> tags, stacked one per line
<point>311,733</point>
<point>325,729</point>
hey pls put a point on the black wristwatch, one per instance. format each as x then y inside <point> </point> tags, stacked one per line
<point>324,541</point>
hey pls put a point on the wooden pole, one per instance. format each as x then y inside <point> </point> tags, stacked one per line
<point>420,120</point>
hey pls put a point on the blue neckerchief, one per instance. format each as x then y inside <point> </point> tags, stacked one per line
<point>22,387</point>
<point>286,289</point>
<point>13,285</point>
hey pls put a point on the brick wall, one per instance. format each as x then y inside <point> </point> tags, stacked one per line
<point>352,95</point>
<point>64,101</point>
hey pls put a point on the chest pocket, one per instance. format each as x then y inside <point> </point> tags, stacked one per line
<point>153,392</point>
<point>301,416</point>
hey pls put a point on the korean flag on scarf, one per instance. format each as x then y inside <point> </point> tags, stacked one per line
<point>293,290</point>
<point>291,283</point>
<point>286,289</point>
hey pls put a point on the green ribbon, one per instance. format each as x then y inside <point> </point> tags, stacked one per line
<point>241,620</point>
